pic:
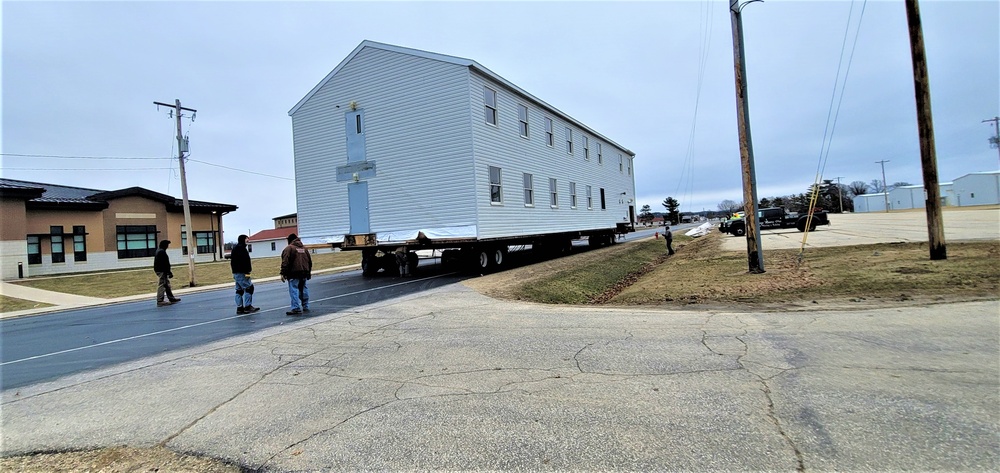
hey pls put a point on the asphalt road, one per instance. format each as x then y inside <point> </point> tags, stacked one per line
<point>47,346</point>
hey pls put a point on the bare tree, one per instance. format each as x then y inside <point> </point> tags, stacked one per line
<point>857,188</point>
<point>730,207</point>
<point>876,186</point>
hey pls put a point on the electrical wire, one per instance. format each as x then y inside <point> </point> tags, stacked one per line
<point>685,182</point>
<point>187,157</point>
<point>15,155</point>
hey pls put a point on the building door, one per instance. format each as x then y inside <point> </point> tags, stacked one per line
<point>357,204</point>
<point>354,123</point>
<point>631,214</point>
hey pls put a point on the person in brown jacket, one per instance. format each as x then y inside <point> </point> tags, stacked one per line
<point>296,269</point>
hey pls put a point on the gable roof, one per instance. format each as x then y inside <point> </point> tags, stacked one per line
<point>272,234</point>
<point>457,61</point>
<point>55,196</point>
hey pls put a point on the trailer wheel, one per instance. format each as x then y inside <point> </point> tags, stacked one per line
<point>479,260</point>
<point>499,255</point>
<point>369,264</point>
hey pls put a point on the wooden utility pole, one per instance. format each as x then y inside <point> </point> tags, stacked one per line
<point>181,148</point>
<point>885,188</point>
<point>925,126</point>
<point>755,255</point>
<point>840,194</point>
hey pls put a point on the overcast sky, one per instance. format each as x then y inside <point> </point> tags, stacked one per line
<point>80,79</point>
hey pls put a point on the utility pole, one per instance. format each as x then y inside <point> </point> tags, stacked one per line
<point>885,189</point>
<point>995,139</point>
<point>840,193</point>
<point>755,255</point>
<point>184,190</point>
<point>925,127</point>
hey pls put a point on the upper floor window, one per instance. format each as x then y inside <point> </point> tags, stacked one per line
<point>621,163</point>
<point>58,250</point>
<point>586,148</point>
<point>553,193</point>
<point>529,190</point>
<point>600,153</point>
<point>522,119</point>
<point>569,140</point>
<point>550,136</point>
<point>496,188</point>
<point>490,105</point>
<point>629,166</point>
<point>136,241</point>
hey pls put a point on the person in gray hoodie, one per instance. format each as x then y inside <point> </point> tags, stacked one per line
<point>296,269</point>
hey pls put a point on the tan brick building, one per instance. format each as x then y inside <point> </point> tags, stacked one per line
<point>51,229</point>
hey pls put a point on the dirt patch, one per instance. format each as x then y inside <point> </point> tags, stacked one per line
<point>116,460</point>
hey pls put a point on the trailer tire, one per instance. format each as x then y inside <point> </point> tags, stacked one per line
<point>499,257</point>
<point>478,260</point>
<point>369,264</point>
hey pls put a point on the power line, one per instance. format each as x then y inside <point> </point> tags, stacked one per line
<point>85,169</point>
<point>240,170</point>
<point>73,157</point>
<point>187,157</point>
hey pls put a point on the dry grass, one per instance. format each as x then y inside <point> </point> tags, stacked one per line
<point>701,273</point>
<point>143,281</point>
<point>11,304</point>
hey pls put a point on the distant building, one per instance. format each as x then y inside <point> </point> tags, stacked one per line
<point>978,188</point>
<point>290,220</point>
<point>271,242</point>
<point>52,229</point>
<point>870,203</point>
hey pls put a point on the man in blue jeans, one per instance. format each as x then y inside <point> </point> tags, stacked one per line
<point>240,263</point>
<point>296,268</point>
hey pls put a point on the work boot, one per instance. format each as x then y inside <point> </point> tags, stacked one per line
<point>250,309</point>
<point>163,303</point>
<point>294,312</point>
<point>175,300</point>
<point>240,310</point>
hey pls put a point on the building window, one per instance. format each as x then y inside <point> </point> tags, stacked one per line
<point>550,136</point>
<point>600,153</point>
<point>529,190</point>
<point>496,187</point>
<point>590,199</point>
<point>56,242</point>
<point>79,243</point>
<point>34,250</point>
<point>569,140</point>
<point>603,204</point>
<point>553,193</point>
<point>274,246</point>
<point>586,148</point>
<point>620,163</point>
<point>136,241</point>
<point>572,195</point>
<point>204,242</point>
<point>490,105</point>
<point>522,118</point>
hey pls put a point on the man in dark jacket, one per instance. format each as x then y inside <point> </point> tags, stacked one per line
<point>296,268</point>
<point>161,266</point>
<point>239,261</point>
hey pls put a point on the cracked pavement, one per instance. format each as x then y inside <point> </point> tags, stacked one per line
<point>452,380</point>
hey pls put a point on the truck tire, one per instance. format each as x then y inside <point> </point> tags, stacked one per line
<point>479,260</point>
<point>800,225</point>
<point>739,230</point>
<point>499,255</point>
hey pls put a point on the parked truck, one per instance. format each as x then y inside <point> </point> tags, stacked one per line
<point>399,150</point>
<point>776,217</point>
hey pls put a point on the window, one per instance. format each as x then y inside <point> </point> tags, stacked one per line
<point>572,195</point>
<point>554,195</point>
<point>34,250</point>
<point>629,166</point>
<point>569,140</point>
<point>600,155</point>
<point>529,190</point>
<point>274,246</point>
<point>56,236</point>
<point>603,205</point>
<point>490,105</point>
<point>522,118</point>
<point>550,136</point>
<point>204,242</point>
<point>79,243</point>
<point>586,148</point>
<point>496,186</point>
<point>620,162</point>
<point>590,199</point>
<point>136,241</point>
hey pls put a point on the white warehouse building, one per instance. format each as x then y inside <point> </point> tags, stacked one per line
<point>977,188</point>
<point>411,145</point>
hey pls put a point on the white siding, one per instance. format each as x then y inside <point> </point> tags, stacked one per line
<point>417,116</point>
<point>907,197</point>
<point>979,188</point>
<point>504,147</point>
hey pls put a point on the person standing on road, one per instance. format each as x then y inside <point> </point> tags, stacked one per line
<point>239,261</point>
<point>669,237</point>
<point>161,266</point>
<point>296,268</point>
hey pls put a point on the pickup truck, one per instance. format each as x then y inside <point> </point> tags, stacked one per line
<point>776,217</point>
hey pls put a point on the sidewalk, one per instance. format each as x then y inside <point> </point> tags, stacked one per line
<point>63,301</point>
